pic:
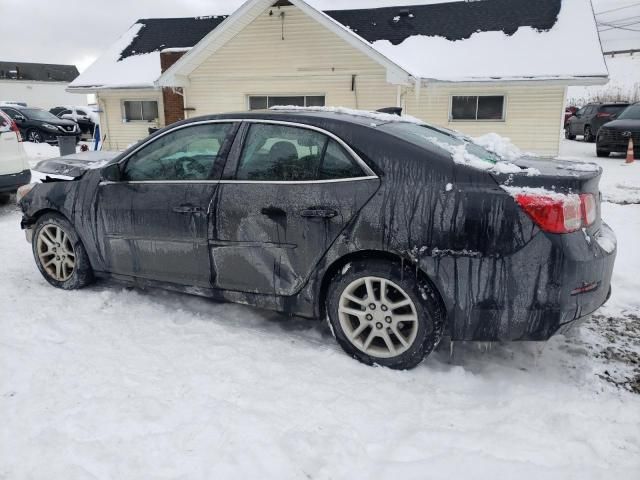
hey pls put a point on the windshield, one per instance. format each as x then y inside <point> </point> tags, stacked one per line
<point>631,113</point>
<point>37,114</point>
<point>427,136</point>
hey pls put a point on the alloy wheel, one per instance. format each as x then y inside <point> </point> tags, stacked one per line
<point>34,136</point>
<point>56,253</point>
<point>378,317</point>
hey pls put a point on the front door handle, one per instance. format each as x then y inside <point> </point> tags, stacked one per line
<point>188,209</point>
<point>319,213</point>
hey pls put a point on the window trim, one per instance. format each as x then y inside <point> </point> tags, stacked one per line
<point>369,174</point>
<point>496,94</point>
<point>267,95</point>
<point>143,122</point>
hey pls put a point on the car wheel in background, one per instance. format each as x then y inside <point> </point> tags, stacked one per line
<point>59,253</point>
<point>34,136</point>
<point>588,135</point>
<point>4,198</point>
<point>602,153</point>
<point>382,313</point>
<point>568,135</point>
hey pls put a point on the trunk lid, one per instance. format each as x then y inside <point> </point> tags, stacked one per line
<point>559,176</point>
<point>74,166</point>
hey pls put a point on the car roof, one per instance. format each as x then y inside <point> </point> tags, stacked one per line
<point>315,115</point>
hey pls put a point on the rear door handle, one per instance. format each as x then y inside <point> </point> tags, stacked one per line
<point>187,209</point>
<point>319,213</point>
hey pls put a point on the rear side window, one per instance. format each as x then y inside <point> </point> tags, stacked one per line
<point>186,154</point>
<point>291,154</point>
<point>613,108</point>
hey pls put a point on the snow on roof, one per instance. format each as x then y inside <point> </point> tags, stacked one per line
<point>133,61</point>
<point>486,40</point>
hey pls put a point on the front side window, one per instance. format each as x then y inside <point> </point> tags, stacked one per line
<point>140,111</point>
<point>474,107</point>
<point>262,102</point>
<point>186,154</point>
<point>291,154</point>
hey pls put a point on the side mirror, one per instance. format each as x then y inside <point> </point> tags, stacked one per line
<point>111,173</point>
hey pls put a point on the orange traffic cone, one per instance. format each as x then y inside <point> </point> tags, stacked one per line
<point>630,157</point>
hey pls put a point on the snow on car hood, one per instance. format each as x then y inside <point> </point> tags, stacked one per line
<point>74,166</point>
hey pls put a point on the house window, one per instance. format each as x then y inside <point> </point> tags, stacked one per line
<point>262,102</point>
<point>140,111</point>
<point>477,107</point>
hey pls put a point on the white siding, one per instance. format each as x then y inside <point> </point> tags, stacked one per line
<point>121,134</point>
<point>39,94</point>
<point>533,112</point>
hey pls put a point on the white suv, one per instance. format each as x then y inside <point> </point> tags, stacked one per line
<point>14,166</point>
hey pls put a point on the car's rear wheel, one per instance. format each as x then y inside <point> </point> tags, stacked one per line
<point>602,153</point>
<point>59,253</point>
<point>588,135</point>
<point>382,313</point>
<point>34,136</point>
<point>4,198</point>
<point>567,133</point>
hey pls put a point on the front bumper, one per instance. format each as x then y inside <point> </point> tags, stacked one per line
<point>10,183</point>
<point>550,285</point>
<point>52,137</point>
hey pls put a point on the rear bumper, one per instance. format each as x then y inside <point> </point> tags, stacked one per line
<point>550,285</point>
<point>11,183</point>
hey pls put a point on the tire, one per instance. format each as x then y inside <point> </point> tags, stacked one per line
<point>588,135</point>
<point>34,136</point>
<point>567,134</point>
<point>365,336</point>
<point>4,198</point>
<point>602,153</point>
<point>67,248</point>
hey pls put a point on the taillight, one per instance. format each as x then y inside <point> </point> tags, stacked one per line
<point>559,213</point>
<point>14,128</point>
<point>603,115</point>
<point>589,209</point>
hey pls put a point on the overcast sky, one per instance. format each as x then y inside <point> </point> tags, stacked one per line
<point>77,31</point>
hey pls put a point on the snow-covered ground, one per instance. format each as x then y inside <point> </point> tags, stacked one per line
<point>110,382</point>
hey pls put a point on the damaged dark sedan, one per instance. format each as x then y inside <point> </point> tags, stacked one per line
<point>397,232</point>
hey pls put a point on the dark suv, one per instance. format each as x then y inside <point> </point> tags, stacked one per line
<point>37,125</point>
<point>588,120</point>
<point>614,136</point>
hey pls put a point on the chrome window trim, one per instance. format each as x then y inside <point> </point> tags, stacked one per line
<point>258,182</point>
<point>369,174</point>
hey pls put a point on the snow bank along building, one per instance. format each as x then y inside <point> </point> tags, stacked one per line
<point>485,66</point>
<point>38,84</point>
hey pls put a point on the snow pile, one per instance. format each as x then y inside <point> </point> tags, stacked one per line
<point>607,239</point>
<point>499,145</point>
<point>581,167</point>
<point>378,116</point>
<point>137,71</point>
<point>462,156</point>
<point>495,55</point>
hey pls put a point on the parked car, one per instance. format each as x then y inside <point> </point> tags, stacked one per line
<point>568,113</point>
<point>10,103</point>
<point>588,120</point>
<point>38,126</point>
<point>398,233</point>
<point>83,116</point>
<point>614,136</point>
<point>14,167</point>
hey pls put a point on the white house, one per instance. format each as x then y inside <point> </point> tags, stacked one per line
<point>38,84</point>
<point>491,66</point>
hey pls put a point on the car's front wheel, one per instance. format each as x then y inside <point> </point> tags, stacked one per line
<point>59,253</point>
<point>34,136</point>
<point>567,133</point>
<point>602,153</point>
<point>382,313</point>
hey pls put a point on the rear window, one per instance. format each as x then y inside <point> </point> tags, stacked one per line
<point>631,113</point>
<point>426,136</point>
